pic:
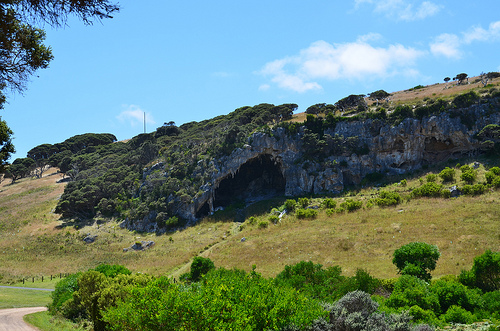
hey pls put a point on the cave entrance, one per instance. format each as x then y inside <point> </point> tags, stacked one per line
<point>258,178</point>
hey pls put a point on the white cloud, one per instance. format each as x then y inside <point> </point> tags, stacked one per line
<point>477,33</point>
<point>402,10</point>
<point>449,45</point>
<point>325,61</point>
<point>446,45</point>
<point>135,116</point>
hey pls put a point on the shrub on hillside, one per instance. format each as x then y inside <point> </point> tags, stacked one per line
<point>306,213</point>
<point>456,314</point>
<point>447,174</point>
<point>453,293</point>
<point>431,178</point>
<point>475,189</point>
<point>304,202</point>
<point>199,267</point>
<point>112,270</point>
<point>329,203</point>
<point>485,272</point>
<point>416,259</point>
<point>351,205</point>
<point>386,199</point>
<point>431,190</point>
<point>290,205</point>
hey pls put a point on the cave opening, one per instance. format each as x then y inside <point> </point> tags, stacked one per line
<point>258,178</point>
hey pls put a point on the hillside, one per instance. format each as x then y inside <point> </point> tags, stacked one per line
<point>36,241</point>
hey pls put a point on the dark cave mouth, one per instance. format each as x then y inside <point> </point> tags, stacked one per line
<point>258,178</point>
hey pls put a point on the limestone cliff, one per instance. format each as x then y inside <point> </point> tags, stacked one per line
<point>276,162</point>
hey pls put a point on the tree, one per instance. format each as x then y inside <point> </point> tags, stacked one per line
<point>22,49</point>
<point>199,267</point>
<point>41,154</point>
<point>351,101</point>
<point>20,168</point>
<point>379,95</point>
<point>416,259</point>
<point>461,77</point>
<point>6,146</point>
<point>447,79</point>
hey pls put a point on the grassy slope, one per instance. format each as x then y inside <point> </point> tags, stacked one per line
<point>34,242</point>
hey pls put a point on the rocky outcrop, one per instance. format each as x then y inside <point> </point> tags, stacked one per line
<point>275,160</point>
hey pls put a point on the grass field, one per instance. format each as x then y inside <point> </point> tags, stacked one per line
<point>17,298</point>
<point>45,322</point>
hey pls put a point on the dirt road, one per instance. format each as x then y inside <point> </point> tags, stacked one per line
<point>12,319</point>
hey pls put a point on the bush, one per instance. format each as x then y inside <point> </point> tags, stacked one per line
<point>112,270</point>
<point>274,218</point>
<point>428,190</point>
<point>465,100</point>
<point>411,291</point>
<point>453,293</point>
<point>447,174</point>
<point>63,291</point>
<point>263,224</point>
<point>304,202</point>
<point>386,199</point>
<point>329,203</point>
<point>468,176</point>
<point>492,302</point>
<point>490,176</point>
<point>416,259</point>
<point>306,213</point>
<point>456,314</point>
<point>431,178</point>
<point>351,205</point>
<point>496,182</point>
<point>475,189</point>
<point>485,272</point>
<point>290,204</point>
<point>199,267</point>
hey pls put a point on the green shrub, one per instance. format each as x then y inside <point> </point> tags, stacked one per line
<point>274,218</point>
<point>304,202</point>
<point>330,211</point>
<point>416,259</point>
<point>306,213</point>
<point>199,267</point>
<point>386,199</point>
<point>422,316</point>
<point>465,100</point>
<point>263,224</point>
<point>495,170</point>
<point>485,272</point>
<point>475,189</point>
<point>252,220</point>
<point>490,176</point>
<point>290,204</point>
<point>329,203</point>
<point>351,205</point>
<point>456,314</point>
<point>447,174</point>
<point>496,182</point>
<point>225,300</point>
<point>452,293</point>
<point>411,291</point>
<point>492,302</point>
<point>469,176</point>
<point>403,182</point>
<point>63,291</point>
<point>428,190</point>
<point>431,178</point>
<point>112,270</point>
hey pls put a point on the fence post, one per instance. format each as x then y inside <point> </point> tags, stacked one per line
<point>42,279</point>
<point>33,280</point>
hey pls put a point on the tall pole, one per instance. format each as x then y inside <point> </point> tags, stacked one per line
<point>144,122</point>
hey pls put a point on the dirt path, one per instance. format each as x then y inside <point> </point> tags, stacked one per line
<point>12,319</point>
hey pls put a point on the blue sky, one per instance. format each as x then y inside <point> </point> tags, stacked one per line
<point>188,61</point>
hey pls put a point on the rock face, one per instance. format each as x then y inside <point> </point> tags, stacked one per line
<point>274,163</point>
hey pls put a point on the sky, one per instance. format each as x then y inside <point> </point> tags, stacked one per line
<point>189,60</point>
